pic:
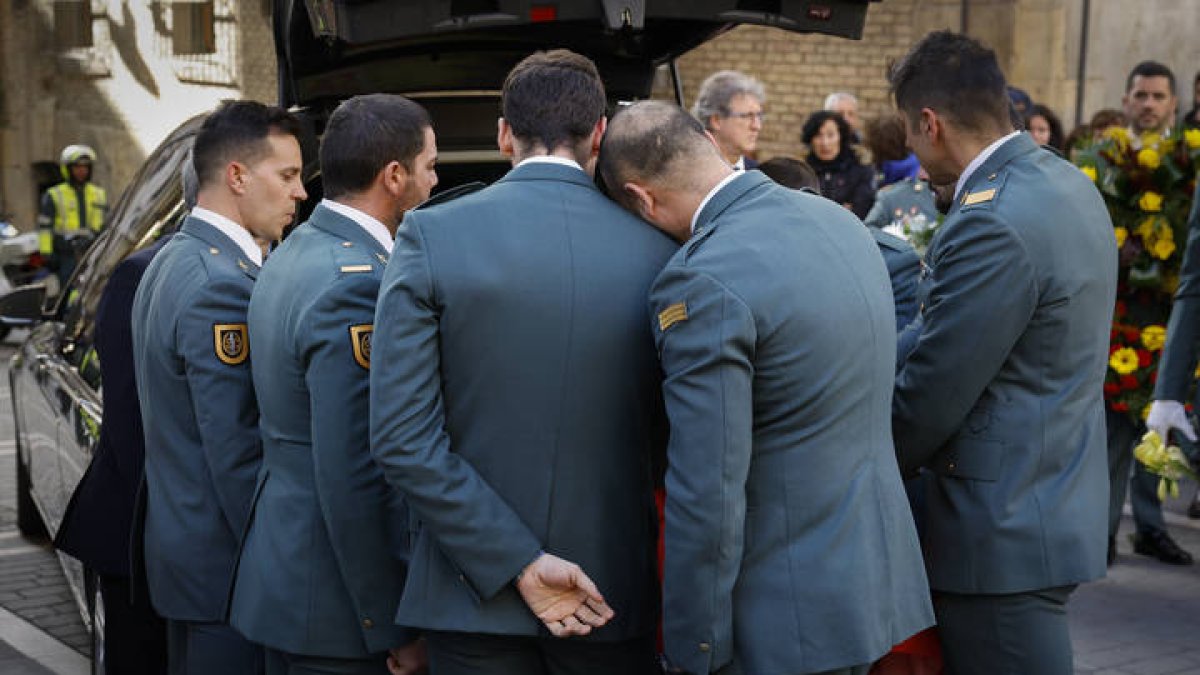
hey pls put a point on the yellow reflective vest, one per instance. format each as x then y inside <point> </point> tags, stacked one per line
<point>68,215</point>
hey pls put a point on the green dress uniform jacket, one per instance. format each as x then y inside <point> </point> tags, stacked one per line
<point>192,364</point>
<point>790,547</point>
<point>1177,365</point>
<point>515,399</point>
<point>321,568</point>
<point>1001,393</point>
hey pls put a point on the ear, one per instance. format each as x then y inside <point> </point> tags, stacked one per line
<point>713,122</point>
<point>394,178</point>
<point>598,134</point>
<point>236,175</point>
<point>504,138</point>
<point>713,139</point>
<point>930,125</point>
<point>641,199</point>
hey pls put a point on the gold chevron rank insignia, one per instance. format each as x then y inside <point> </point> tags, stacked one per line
<point>672,315</point>
<point>230,343</point>
<point>979,197</point>
<point>360,341</point>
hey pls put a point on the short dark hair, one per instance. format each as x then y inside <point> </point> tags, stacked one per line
<point>791,173</point>
<point>955,75</point>
<point>886,138</point>
<point>648,140</point>
<point>553,98</point>
<point>1150,69</point>
<point>1056,127</point>
<point>365,134</point>
<point>812,127</point>
<point>238,131</point>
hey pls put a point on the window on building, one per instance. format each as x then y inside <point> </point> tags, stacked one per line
<point>73,23</point>
<point>193,27</point>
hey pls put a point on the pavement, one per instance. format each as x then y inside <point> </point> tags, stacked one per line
<point>1143,619</point>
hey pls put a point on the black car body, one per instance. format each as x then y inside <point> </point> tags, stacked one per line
<point>452,56</point>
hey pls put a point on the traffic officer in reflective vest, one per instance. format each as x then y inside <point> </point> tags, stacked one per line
<point>72,212</point>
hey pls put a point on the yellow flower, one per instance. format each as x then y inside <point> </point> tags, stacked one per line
<point>1145,229</point>
<point>1163,248</point>
<point>1165,461</point>
<point>1122,235</point>
<point>1192,138</point>
<point>1090,171</point>
<point>1150,139</point>
<point>1124,361</point>
<point>1145,411</point>
<point>1118,134</point>
<point>1148,158</point>
<point>1153,337</point>
<point>1151,202</point>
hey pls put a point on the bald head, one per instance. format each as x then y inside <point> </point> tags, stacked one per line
<point>657,161</point>
<point>654,142</point>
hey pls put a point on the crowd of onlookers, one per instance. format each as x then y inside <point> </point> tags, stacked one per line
<point>865,163</point>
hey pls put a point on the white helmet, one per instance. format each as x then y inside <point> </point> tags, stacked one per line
<point>75,153</point>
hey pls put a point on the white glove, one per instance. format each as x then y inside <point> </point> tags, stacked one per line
<point>1169,415</point>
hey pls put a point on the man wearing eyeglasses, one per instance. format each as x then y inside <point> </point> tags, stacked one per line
<point>730,106</point>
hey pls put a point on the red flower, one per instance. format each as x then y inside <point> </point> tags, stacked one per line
<point>1153,378</point>
<point>1113,335</point>
<point>1133,334</point>
<point>1129,382</point>
<point>1111,388</point>
<point>1120,406</point>
<point>1143,358</point>
<point>1121,309</point>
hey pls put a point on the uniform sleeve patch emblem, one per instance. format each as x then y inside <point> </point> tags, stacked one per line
<point>979,197</point>
<point>360,341</point>
<point>230,343</point>
<point>672,315</point>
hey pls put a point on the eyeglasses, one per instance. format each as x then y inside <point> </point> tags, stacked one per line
<point>760,116</point>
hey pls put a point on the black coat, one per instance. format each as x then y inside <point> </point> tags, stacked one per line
<point>96,526</point>
<point>846,181</point>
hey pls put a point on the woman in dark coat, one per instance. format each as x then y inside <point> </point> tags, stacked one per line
<point>844,179</point>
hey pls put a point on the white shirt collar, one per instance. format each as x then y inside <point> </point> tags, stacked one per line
<point>550,159</point>
<point>978,161</point>
<point>712,193</point>
<point>236,233</point>
<point>740,164</point>
<point>368,222</point>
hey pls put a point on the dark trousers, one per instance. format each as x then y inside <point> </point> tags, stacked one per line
<point>282,663</point>
<point>198,648</point>
<point>135,636</point>
<point>476,654</point>
<point>1014,634</point>
<point>734,668</point>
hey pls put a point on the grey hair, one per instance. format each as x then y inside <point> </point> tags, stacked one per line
<point>833,99</point>
<point>189,182</point>
<point>719,89</point>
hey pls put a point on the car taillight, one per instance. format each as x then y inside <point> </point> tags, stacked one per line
<point>542,13</point>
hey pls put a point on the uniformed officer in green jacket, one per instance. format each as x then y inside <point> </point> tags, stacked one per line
<point>790,547</point>
<point>192,364</point>
<point>1000,395</point>
<point>322,566</point>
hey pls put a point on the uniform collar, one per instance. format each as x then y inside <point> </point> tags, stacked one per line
<point>978,162</point>
<point>712,193</point>
<point>239,235</point>
<point>365,220</point>
<point>218,243</point>
<point>346,229</point>
<point>550,159</point>
<point>738,185</point>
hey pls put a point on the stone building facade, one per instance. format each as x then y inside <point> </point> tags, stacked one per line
<point>117,75</point>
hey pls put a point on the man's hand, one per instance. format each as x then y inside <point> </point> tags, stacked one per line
<point>1166,416</point>
<point>409,659</point>
<point>562,596</point>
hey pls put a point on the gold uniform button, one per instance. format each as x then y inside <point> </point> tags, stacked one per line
<point>214,251</point>
<point>347,244</point>
<point>704,646</point>
<point>367,623</point>
<point>951,466</point>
